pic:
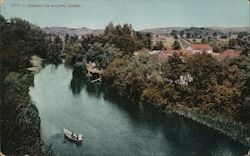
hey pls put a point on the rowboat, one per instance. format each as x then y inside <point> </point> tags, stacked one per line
<point>74,137</point>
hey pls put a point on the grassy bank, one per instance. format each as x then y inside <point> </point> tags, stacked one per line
<point>233,129</point>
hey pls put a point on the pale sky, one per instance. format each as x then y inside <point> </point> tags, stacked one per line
<point>141,14</point>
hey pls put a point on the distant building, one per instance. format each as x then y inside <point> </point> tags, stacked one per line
<point>161,37</point>
<point>165,55</point>
<point>229,53</point>
<point>200,48</point>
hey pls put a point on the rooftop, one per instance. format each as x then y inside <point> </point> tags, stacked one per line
<point>229,53</point>
<point>201,47</point>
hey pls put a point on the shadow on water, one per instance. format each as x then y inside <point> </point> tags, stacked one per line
<point>77,83</point>
<point>80,81</point>
<point>135,110</point>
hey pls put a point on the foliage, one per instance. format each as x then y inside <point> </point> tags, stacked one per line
<point>243,43</point>
<point>126,39</point>
<point>90,39</point>
<point>101,55</point>
<point>20,39</point>
<point>97,53</point>
<point>131,75</point>
<point>216,86</point>
<point>55,47</point>
<point>216,46</point>
<point>212,86</point>
<point>20,115</point>
<point>173,69</point>
<point>204,40</point>
<point>176,45</point>
<point>73,49</point>
<point>20,122</point>
<point>232,43</point>
<point>153,96</point>
<point>158,46</point>
<point>174,33</point>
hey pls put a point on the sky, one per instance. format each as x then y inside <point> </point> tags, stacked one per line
<point>142,14</point>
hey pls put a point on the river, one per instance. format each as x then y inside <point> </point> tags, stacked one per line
<point>115,126</point>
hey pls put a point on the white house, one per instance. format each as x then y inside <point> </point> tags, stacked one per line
<point>200,48</point>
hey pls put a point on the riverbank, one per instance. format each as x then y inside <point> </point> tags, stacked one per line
<point>214,89</point>
<point>235,130</point>
<point>36,63</point>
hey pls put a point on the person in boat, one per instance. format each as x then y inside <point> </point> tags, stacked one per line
<point>77,137</point>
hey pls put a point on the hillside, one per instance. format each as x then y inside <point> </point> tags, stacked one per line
<point>209,30</point>
<point>62,31</point>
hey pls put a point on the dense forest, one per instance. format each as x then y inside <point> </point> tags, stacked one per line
<point>220,88</point>
<point>20,121</point>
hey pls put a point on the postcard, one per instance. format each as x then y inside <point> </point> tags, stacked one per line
<point>125,77</point>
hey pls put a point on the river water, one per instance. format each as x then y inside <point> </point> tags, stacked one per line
<point>115,126</point>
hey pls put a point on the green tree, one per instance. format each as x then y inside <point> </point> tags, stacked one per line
<point>159,46</point>
<point>55,50</point>
<point>182,33</point>
<point>232,43</point>
<point>204,41</point>
<point>176,45</point>
<point>243,41</point>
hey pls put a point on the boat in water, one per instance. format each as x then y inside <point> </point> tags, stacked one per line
<point>73,137</point>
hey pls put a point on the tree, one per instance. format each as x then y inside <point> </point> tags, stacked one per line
<point>131,75</point>
<point>72,50</point>
<point>176,45</point>
<point>55,49</point>
<point>20,114</point>
<point>223,36</point>
<point>232,43</point>
<point>159,46</point>
<point>174,33</point>
<point>182,33</point>
<point>216,86</point>
<point>173,68</point>
<point>215,34</point>
<point>109,29</point>
<point>125,38</point>
<point>101,55</point>
<point>66,38</point>
<point>204,41</point>
<point>243,41</point>
<point>216,47</point>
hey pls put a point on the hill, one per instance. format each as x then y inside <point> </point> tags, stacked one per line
<point>62,31</point>
<point>209,30</point>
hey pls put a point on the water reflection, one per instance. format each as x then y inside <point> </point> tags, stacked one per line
<point>78,81</point>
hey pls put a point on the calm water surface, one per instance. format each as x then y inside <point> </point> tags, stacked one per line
<point>114,126</point>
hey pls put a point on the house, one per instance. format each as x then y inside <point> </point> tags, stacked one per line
<point>200,48</point>
<point>160,38</point>
<point>165,55</point>
<point>229,53</point>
